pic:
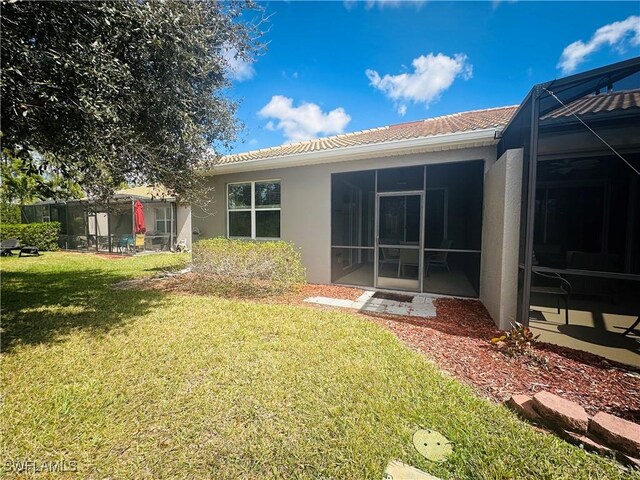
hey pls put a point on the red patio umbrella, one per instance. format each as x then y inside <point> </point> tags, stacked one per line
<point>138,215</point>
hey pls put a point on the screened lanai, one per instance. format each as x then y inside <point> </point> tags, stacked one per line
<point>110,226</point>
<point>579,268</point>
<point>415,228</point>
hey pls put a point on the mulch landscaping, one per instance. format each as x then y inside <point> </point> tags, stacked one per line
<point>458,340</point>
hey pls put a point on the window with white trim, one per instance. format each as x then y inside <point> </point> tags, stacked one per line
<point>253,209</point>
<point>163,219</point>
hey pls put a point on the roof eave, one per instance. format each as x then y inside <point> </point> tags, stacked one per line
<point>458,140</point>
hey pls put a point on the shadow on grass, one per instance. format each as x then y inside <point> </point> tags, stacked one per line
<point>40,307</point>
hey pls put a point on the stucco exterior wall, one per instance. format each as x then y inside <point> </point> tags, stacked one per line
<point>500,238</point>
<point>306,200</point>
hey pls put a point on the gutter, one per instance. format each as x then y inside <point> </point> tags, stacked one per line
<point>449,141</point>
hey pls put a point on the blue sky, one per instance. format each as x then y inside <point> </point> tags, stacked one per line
<point>333,67</point>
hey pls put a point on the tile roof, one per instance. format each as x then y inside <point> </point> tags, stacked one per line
<point>455,123</point>
<point>144,192</point>
<point>594,104</point>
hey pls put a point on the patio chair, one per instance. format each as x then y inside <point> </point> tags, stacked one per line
<point>408,258</point>
<point>561,288</point>
<point>439,259</point>
<point>8,245</point>
<point>125,244</point>
<point>29,251</point>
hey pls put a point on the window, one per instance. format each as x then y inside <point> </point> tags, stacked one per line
<point>254,209</point>
<point>163,219</point>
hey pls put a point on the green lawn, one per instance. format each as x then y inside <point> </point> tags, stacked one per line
<point>142,384</point>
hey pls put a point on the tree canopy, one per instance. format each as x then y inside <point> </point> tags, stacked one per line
<point>126,91</point>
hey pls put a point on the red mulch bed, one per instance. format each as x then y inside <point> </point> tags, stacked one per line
<point>459,341</point>
<point>184,284</point>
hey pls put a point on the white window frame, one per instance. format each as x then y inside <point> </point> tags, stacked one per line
<point>166,220</point>
<point>253,209</point>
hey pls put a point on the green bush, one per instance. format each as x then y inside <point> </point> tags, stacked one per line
<point>41,235</point>
<point>9,213</point>
<point>247,268</point>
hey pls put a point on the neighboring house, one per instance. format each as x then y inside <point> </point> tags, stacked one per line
<point>109,226</point>
<point>444,206</point>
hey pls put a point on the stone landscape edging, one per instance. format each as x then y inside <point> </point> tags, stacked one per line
<point>603,433</point>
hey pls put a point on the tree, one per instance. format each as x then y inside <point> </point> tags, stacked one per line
<point>20,182</point>
<point>127,91</point>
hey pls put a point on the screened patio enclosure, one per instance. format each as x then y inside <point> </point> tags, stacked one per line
<point>580,217</point>
<point>109,227</point>
<point>410,228</point>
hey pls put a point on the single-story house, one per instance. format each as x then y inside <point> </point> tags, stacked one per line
<point>89,225</point>
<point>498,204</point>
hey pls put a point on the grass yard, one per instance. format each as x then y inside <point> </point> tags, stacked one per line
<point>145,384</point>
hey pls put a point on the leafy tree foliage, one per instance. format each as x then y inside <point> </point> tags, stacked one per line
<point>9,212</point>
<point>21,182</point>
<point>123,91</point>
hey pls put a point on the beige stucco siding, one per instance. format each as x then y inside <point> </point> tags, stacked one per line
<point>306,200</point>
<point>500,238</point>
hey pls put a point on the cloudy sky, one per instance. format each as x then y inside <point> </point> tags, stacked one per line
<point>334,67</point>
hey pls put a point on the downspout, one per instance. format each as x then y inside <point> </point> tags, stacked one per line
<point>531,199</point>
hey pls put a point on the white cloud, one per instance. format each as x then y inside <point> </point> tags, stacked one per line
<point>432,75</point>
<point>496,3</point>
<point>305,121</point>
<point>238,68</point>
<point>614,34</point>
<point>381,4</point>
<point>293,75</point>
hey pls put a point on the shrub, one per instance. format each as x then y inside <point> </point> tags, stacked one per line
<point>41,235</point>
<point>519,342</point>
<point>247,268</point>
<point>9,213</point>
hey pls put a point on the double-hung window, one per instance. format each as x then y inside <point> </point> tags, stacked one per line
<point>253,209</point>
<point>163,219</point>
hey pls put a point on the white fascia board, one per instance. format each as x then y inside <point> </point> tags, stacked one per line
<point>474,138</point>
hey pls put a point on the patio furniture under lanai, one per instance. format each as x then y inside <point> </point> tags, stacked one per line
<point>556,286</point>
<point>438,259</point>
<point>134,220</point>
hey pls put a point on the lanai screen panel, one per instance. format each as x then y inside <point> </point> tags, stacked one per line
<point>352,228</point>
<point>453,228</point>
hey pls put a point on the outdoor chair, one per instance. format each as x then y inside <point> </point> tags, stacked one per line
<point>125,244</point>
<point>558,286</point>
<point>408,258</point>
<point>29,251</point>
<point>8,245</point>
<point>439,259</point>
